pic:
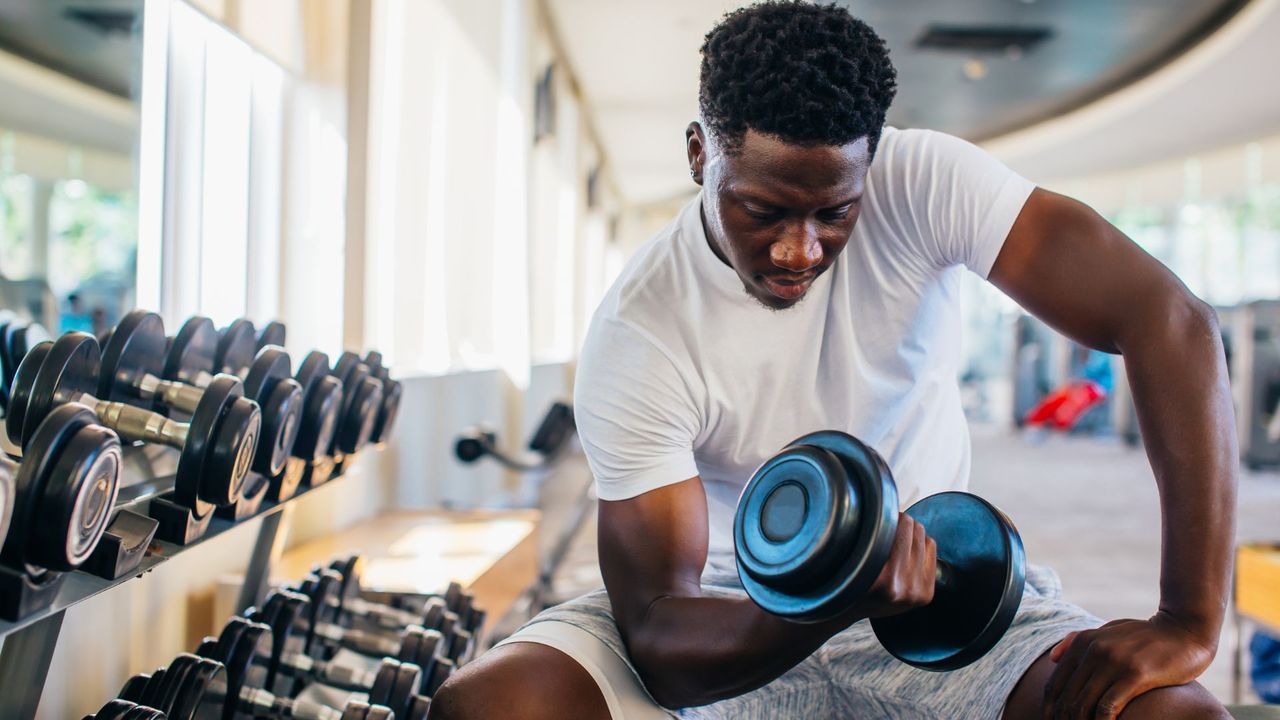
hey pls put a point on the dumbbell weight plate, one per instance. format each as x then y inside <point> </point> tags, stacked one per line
<point>143,712</point>
<point>114,710</point>
<point>270,383</point>
<point>384,681</point>
<point>814,527</point>
<point>419,708</point>
<point>237,345</point>
<point>322,406</point>
<point>408,679</point>
<point>986,575</point>
<point>350,569</point>
<point>75,506</point>
<point>219,448</point>
<point>8,497</point>
<point>136,349</point>
<point>273,333</point>
<point>282,419</point>
<point>175,675</point>
<point>356,424</point>
<point>195,701</point>
<point>135,688</point>
<point>20,393</point>
<point>193,351</point>
<point>386,420</point>
<point>62,517</point>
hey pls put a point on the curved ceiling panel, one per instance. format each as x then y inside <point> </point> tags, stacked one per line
<point>988,66</point>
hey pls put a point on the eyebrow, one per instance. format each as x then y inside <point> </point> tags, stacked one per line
<point>748,196</point>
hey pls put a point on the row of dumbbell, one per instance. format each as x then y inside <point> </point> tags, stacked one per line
<point>316,650</point>
<point>228,401</point>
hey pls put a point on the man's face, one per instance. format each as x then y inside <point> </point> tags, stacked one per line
<point>779,214</point>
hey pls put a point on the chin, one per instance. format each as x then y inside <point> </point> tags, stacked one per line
<point>771,301</point>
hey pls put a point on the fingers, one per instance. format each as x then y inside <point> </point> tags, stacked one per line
<point>1117,697</point>
<point>1056,653</point>
<point>1067,664</point>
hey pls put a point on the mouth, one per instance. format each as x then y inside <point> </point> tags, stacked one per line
<point>787,287</point>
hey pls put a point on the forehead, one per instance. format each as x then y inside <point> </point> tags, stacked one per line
<point>770,168</point>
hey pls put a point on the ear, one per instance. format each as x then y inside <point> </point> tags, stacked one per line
<point>696,148</point>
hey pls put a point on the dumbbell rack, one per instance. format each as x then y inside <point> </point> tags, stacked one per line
<point>29,643</point>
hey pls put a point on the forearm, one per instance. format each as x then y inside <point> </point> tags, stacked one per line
<point>1178,374</point>
<point>696,650</point>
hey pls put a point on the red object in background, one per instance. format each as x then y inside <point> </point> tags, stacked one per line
<point>1063,408</point>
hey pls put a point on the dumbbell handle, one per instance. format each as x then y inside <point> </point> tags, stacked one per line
<point>383,615</point>
<point>358,641</point>
<point>178,396</point>
<point>135,424</point>
<point>261,703</point>
<point>342,677</point>
<point>943,576</point>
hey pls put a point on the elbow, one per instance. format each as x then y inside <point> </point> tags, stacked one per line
<point>665,682</point>
<point>1177,319</point>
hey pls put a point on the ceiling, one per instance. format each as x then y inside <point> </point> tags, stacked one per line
<point>98,42</point>
<point>637,64</point>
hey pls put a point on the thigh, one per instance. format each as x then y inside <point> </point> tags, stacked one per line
<point>522,681</point>
<point>875,684</point>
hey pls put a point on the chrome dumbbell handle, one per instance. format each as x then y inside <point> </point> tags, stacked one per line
<point>135,424</point>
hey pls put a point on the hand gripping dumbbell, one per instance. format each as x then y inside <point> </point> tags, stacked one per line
<point>393,683</point>
<point>813,531</point>
<point>458,628</point>
<point>290,616</point>
<point>361,399</point>
<point>57,501</point>
<point>217,446</point>
<point>136,365</point>
<point>391,392</point>
<point>243,694</point>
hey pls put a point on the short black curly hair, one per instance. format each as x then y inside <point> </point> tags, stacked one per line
<point>806,73</point>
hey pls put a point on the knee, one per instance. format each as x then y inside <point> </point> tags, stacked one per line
<point>1175,703</point>
<point>523,681</point>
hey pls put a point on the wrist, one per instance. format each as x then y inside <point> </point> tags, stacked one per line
<point>1205,628</point>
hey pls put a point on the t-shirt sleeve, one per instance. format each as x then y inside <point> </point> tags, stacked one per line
<point>955,202</point>
<point>635,413</point>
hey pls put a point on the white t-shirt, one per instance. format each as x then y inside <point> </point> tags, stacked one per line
<point>683,374</point>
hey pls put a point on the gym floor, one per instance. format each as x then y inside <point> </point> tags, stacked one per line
<point>1086,507</point>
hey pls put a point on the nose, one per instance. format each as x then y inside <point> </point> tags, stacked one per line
<point>799,251</point>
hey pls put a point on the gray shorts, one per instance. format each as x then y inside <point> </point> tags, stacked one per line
<point>850,676</point>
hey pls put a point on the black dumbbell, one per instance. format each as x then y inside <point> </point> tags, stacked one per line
<point>459,629</point>
<point>242,693</point>
<point>324,636</point>
<point>135,364</point>
<point>217,446</point>
<point>361,400</point>
<point>289,614</point>
<point>124,710</point>
<point>273,333</point>
<point>57,501</point>
<point>814,528</point>
<point>16,340</point>
<point>322,407</point>
<point>428,647</point>
<point>391,392</point>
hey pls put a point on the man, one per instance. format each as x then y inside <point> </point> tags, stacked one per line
<point>849,239</point>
